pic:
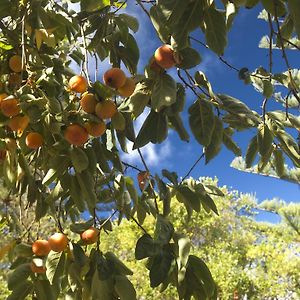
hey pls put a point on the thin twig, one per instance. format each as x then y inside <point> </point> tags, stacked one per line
<point>23,59</point>
<point>193,167</point>
<point>139,2</point>
<point>186,83</point>
<point>288,41</point>
<point>120,7</point>
<point>150,182</point>
<point>96,68</point>
<point>264,104</point>
<point>222,59</point>
<point>285,58</point>
<point>131,166</point>
<point>85,63</point>
<point>108,219</point>
<point>138,224</point>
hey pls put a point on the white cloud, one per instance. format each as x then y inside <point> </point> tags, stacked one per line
<point>153,154</point>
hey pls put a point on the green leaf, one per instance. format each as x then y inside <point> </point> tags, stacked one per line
<point>49,177</point>
<point>146,247</point>
<point>178,125</point>
<point>264,141</point>
<point>21,291</point>
<point>164,92</point>
<point>295,14</point>
<point>87,185</point>
<point>203,274</point>
<point>101,289</point>
<point>18,276</point>
<point>80,227</point>
<point>163,230</point>
<point>184,246</point>
<point>209,204</point>
<point>172,10</point>
<point>92,5</point>
<point>102,91</point>
<point>202,80</point>
<point>230,144</point>
<point>118,265</point>
<point>189,58</point>
<point>216,141</point>
<point>237,107</point>
<point>212,189</point>
<point>271,6</point>
<point>23,250</point>
<point>139,99</point>
<point>55,264</point>
<point>159,22</point>
<point>124,288</point>
<point>191,19</point>
<point>76,193</point>
<point>252,150</point>
<point>279,162</point>
<point>5,46</point>
<point>160,268</point>
<point>130,21</point>
<point>267,89</point>
<point>202,121</point>
<point>172,176</point>
<point>289,146</point>
<point>79,159</point>
<point>216,30</point>
<point>154,129</point>
<point>129,53</point>
<point>164,195</point>
<point>191,198</point>
<point>118,121</point>
<point>44,291</point>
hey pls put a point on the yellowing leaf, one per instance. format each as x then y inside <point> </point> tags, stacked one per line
<point>6,248</point>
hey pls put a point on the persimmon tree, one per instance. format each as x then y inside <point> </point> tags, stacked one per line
<point>62,134</point>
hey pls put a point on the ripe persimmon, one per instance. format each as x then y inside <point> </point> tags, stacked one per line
<point>90,236</point>
<point>3,96</point>
<point>95,129</point>
<point>128,88</point>
<point>154,66</point>
<point>88,103</point>
<point>58,242</point>
<point>143,178</point>
<point>78,84</point>
<point>10,107</point>
<point>114,78</point>
<point>76,135</point>
<point>164,57</point>
<point>106,109</point>
<point>34,140</point>
<point>15,63</point>
<point>18,123</point>
<point>35,269</point>
<point>41,247</point>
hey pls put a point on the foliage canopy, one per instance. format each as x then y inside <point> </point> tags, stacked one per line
<point>53,163</point>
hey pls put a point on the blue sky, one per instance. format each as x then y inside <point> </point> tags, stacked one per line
<point>242,51</point>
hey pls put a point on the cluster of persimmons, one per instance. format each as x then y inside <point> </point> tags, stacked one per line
<point>75,134</point>
<point>58,242</point>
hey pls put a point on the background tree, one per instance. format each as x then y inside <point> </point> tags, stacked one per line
<point>62,133</point>
<point>256,259</point>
